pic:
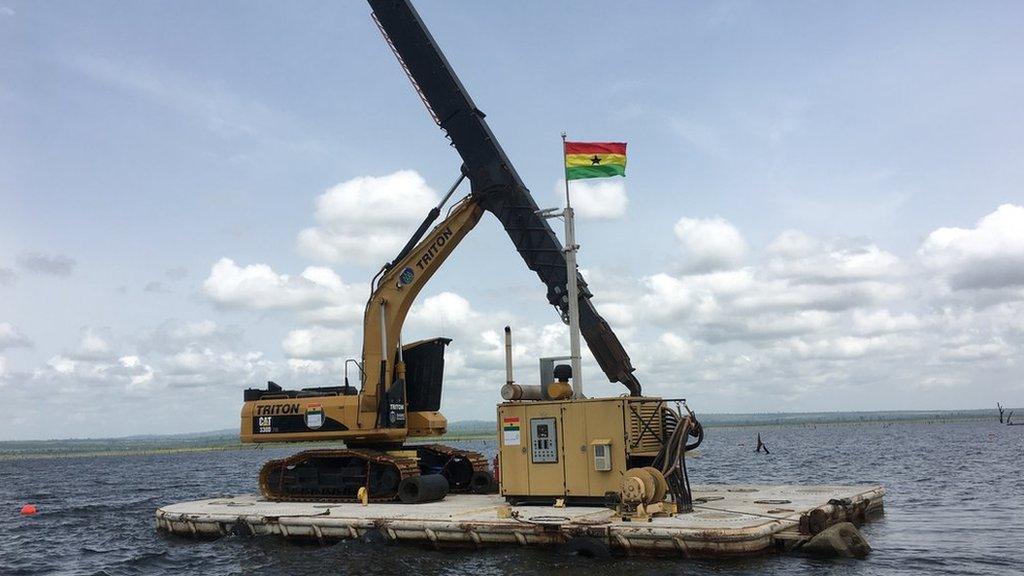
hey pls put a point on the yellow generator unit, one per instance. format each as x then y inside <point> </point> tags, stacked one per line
<point>578,450</point>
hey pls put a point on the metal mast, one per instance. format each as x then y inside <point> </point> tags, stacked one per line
<point>574,293</point>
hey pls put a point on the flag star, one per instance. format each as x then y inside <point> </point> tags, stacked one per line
<point>595,160</point>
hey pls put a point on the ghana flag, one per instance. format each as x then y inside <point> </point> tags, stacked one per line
<point>594,159</point>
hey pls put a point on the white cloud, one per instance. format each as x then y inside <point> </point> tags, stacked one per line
<point>93,345</point>
<point>258,287</point>
<point>676,348</point>
<point>446,310</point>
<point>990,255</point>
<point>40,263</point>
<point>319,343</point>
<point>807,315</point>
<point>798,256</point>
<point>767,326</point>
<point>837,348</point>
<point>797,284</point>
<point>174,335</point>
<point>883,321</point>
<point>140,375</point>
<point>62,365</point>
<point>595,199</point>
<point>368,219</point>
<point>665,297</point>
<point>305,367</point>
<point>795,294</point>
<point>793,244</point>
<point>12,337</point>
<point>174,355</point>
<point>346,313</point>
<point>709,244</point>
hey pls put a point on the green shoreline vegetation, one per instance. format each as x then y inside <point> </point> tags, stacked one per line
<point>463,430</point>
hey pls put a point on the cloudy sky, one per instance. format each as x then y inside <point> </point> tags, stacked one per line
<point>824,207</point>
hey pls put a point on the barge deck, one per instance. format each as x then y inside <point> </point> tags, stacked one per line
<point>728,520</point>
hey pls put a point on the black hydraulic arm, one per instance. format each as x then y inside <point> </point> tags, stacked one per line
<point>494,181</point>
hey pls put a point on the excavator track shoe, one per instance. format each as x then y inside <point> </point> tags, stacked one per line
<point>421,489</point>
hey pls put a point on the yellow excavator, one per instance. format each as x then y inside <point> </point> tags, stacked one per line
<point>399,397</point>
<point>401,384</point>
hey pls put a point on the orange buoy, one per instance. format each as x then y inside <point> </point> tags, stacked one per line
<point>28,510</point>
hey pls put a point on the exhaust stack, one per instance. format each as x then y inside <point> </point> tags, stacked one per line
<point>508,356</point>
<point>512,391</point>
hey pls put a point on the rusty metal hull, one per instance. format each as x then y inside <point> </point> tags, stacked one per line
<point>729,520</point>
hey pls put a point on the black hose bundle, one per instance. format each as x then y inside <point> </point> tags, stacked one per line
<point>671,460</point>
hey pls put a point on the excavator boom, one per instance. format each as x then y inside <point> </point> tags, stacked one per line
<point>495,184</point>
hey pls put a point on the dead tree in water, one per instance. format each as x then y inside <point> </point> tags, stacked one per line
<point>1009,417</point>
<point>761,445</point>
<point>1000,407</point>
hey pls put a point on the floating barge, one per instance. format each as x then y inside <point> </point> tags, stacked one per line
<point>728,520</point>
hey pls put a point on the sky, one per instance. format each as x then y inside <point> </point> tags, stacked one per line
<point>823,208</point>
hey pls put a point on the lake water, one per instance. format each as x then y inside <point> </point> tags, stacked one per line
<point>955,505</point>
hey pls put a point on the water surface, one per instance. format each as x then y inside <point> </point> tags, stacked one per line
<point>955,505</point>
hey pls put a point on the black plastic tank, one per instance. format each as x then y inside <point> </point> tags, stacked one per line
<point>424,373</point>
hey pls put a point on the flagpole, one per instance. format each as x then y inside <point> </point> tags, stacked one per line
<point>574,299</point>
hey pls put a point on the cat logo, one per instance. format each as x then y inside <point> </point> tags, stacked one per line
<point>314,416</point>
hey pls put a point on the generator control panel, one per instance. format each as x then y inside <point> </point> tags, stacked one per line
<point>544,440</point>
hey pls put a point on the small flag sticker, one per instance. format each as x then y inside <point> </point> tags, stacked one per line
<point>510,431</point>
<point>314,416</point>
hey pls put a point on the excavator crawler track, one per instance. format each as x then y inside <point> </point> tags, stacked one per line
<point>335,475</point>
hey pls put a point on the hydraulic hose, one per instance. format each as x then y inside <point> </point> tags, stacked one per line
<point>671,460</point>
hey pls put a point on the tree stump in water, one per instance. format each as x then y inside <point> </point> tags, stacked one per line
<point>761,445</point>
